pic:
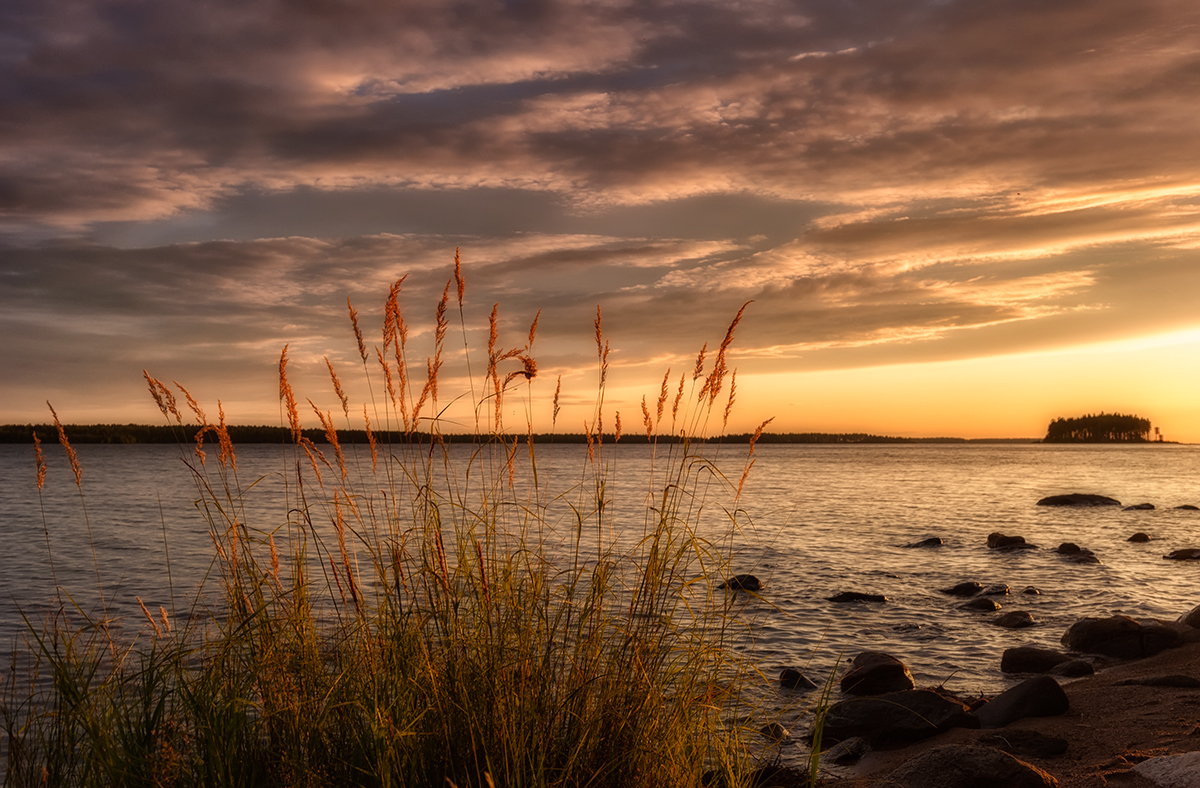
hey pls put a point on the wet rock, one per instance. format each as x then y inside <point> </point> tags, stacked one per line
<point>775,732</point>
<point>1191,618</point>
<point>1076,554</point>
<point>876,673</point>
<point>1187,507</point>
<point>896,718</point>
<point>1016,619</point>
<point>742,583</point>
<point>1068,548</point>
<point>1031,744</point>
<point>969,588</point>
<point>1031,590</point>
<point>1073,669</point>
<point>1139,507</point>
<point>856,596</point>
<point>1040,696</point>
<point>982,603</point>
<point>999,541</point>
<point>790,678</point>
<point>1185,554</point>
<point>968,766</point>
<point>1031,659</point>
<point>1139,538</point>
<point>1175,680</point>
<point>774,776</point>
<point>847,752</point>
<point>933,541</point>
<point>1078,499</point>
<point>996,589</point>
<point>1119,636</point>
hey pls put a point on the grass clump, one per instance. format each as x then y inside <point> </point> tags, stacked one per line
<point>427,614</point>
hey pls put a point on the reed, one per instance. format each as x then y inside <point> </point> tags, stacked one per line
<point>418,621</point>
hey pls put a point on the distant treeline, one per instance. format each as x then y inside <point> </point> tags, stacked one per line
<point>1099,428</point>
<point>143,433</point>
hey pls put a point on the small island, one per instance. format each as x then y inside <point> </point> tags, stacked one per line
<point>1099,428</point>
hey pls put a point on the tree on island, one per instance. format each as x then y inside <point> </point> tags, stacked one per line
<point>1099,428</point>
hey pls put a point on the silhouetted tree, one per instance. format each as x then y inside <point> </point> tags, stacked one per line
<point>1099,428</point>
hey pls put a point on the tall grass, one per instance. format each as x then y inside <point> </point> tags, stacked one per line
<point>420,619</point>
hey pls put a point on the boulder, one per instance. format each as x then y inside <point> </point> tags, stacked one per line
<point>1032,744</point>
<point>847,752</point>
<point>933,541</point>
<point>790,678</point>
<point>996,589</point>
<point>1073,669</point>
<point>876,673</point>
<point>1185,554</point>
<point>1016,619</point>
<point>968,766</point>
<point>1040,696</point>
<point>1031,659</point>
<point>1171,771</point>
<point>1139,507</point>
<point>1078,499</point>
<point>999,541</point>
<point>981,603</point>
<point>1139,538</point>
<point>1174,680</point>
<point>1191,618</point>
<point>1119,636</point>
<point>856,596</point>
<point>896,718</point>
<point>742,583</point>
<point>968,588</point>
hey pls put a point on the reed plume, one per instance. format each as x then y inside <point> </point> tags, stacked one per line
<point>358,335</point>
<point>371,441</point>
<point>40,461</point>
<point>201,419</point>
<point>226,456</point>
<point>66,444</point>
<point>337,388</point>
<point>289,399</point>
<point>750,459</point>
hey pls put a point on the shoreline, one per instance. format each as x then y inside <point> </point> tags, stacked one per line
<point>1109,728</point>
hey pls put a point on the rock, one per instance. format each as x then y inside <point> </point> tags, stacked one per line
<point>1139,538</point>
<point>1073,669</point>
<point>1040,696</point>
<point>1032,591</point>
<point>999,541</point>
<point>996,589</point>
<point>742,583</point>
<point>1068,548</point>
<point>1119,636</point>
<point>774,776</point>
<point>847,752</point>
<point>876,673</point>
<point>968,588</point>
<point>1178,681</point>
<point>1022,742</point>
<point>1187,507</point>
<point>896,718</point>
<point>775,732</point>
<point>982,603</point>
<point>1191,618</point>
<point>856,596</point>
<point>1139,507</point>
<point>1172,771</point>
<point>1016,619</point>
<point>968,766</point>
<point>1186,554</point>
<point>1079,499</point>
<point>1076,554</point>
<point>1030,659</point>
<point>933,541</point>
<point>790,678</point>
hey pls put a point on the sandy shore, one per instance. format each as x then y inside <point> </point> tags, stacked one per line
<point>1109,728</point>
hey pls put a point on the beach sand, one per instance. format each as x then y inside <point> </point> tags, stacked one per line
<point>1109,728</point>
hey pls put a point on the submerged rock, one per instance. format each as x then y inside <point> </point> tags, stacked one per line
<point>742,583</point>
<point>856,596</point>
<point>1139,538</point>
<point>1185,554</point>
<point>1078,499</point>
<point>1119,636</point>
<point>999,541</point>
<point>968,766</point>
<point>996,589</point>
<point>982,603</point>
<point>790,678</point>
<point>968,588</point>
<point>933,541</point>
<point>1076,554</point>
<point>1139,507</point>
<point>1016,619</point>
<point>876,673</point>
<point>1032,591</point>
<point>1189,507</point>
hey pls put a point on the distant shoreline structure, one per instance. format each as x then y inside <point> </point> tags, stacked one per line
<point>151,434</point>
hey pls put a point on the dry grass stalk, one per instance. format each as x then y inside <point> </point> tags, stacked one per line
<point>154,624</point>
<point>647,422</point>
<point>617,429</point>
<point>40,461</point>
<point>699,370</point>
<point>201,419</point>
<point>358,335</point>
<point>750,456</point>
<point>337,388</point>
<point>662,397</point>
<point>729,402</point>
<point>678,397</point>
<point>66,444</point>
<point>289,399</point>
<point>326,420</point>
<point>227,457</point>
<point>371,441</point>
<point>458,277</point>
<point>557,391</point>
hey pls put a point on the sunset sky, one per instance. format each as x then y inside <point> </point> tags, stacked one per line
<point>953,217</point>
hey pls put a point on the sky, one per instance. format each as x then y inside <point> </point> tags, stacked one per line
<point>951,217</point>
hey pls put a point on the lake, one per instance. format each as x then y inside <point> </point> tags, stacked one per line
<point>817,520</point>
